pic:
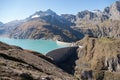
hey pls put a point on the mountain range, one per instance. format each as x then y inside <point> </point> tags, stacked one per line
<point>97,59</point>
<point>66,27</point>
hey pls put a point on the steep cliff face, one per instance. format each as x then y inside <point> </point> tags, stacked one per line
<point>98,59</point>
<point>19,64</point>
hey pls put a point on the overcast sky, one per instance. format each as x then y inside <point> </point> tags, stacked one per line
<point>20,9</point>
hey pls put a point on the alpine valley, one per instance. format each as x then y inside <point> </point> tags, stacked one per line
<point>95,54</point>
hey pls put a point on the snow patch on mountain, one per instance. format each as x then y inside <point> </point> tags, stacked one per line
<point>35,16</point>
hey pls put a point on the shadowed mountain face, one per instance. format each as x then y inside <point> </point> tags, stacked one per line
<point>19,64</point>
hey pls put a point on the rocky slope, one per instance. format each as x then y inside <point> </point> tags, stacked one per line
<point>7,28</point>
<point>37,29</point>
<point>108,28</point>
<point>98,59</point>
<point>98,23</point>
<point>19,64</point>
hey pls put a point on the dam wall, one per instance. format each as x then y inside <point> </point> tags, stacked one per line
<point>61,54</point>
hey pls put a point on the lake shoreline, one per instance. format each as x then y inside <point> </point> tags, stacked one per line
<point>39,45</point>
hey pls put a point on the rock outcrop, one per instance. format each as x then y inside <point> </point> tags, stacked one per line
<point>19,64</point>
<point>98,59</point>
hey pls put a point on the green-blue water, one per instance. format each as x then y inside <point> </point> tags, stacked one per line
<point>42,46</point>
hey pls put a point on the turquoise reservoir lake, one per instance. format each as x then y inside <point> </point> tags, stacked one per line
<point>42,46</point>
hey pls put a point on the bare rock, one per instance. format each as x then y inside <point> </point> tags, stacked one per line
<point>101,56</point>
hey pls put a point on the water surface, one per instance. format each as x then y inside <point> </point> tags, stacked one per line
<point>42,46</point>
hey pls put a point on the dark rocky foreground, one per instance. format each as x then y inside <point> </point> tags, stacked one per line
<point>19,64</point>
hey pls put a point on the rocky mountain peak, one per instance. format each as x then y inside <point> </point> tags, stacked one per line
<point>106,10</point>
<point>116,5</point>
<point>84,12</point>
<point>113,11</point>
<point>86,15</point>
<point>69,17</point>
<point>97,11</point>
<point>50,12</point>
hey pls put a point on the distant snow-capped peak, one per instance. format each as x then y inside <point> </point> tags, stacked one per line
<point>43,13</point>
